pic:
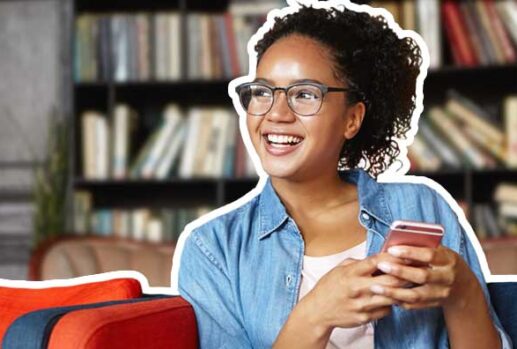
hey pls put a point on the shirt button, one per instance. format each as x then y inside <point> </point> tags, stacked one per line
<point>288,280</point>
<point>365,216</point>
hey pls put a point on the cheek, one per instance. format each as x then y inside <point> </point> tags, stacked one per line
<point>253,124</point>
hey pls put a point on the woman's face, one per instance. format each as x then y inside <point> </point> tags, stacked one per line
<point>322,135</point>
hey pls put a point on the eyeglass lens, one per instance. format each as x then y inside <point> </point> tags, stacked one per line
<point>257,99</point>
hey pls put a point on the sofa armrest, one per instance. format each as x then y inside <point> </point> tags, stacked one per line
<point>157,323</point>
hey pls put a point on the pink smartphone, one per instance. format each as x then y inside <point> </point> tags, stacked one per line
<point>411,233</point>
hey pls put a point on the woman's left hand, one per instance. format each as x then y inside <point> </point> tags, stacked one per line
<point>441,283</point>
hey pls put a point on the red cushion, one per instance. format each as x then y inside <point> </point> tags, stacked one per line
<point>166,323</point>
<point>15,302</point>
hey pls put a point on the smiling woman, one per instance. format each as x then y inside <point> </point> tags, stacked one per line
<point>296,266</point>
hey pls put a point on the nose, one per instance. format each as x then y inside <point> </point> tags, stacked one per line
<point>280,111</point>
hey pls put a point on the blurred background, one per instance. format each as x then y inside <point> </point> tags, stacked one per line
<point>116,128</point>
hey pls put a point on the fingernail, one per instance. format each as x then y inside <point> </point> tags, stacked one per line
<point>385,267</point>
<point>377,289</point>
<point>396,251</point>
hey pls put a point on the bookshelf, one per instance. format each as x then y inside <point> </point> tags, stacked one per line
<point>484,84</point>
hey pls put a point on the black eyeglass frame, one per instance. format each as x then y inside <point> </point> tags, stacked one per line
<point>323,88</point>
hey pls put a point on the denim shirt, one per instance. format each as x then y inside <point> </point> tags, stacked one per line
<point>241,271</point>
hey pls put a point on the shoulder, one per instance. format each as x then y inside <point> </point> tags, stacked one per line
<point>417,195</point>
<point>423,199</point>
<point>223,230</point>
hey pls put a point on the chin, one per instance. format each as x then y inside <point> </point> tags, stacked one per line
<point>278,170</point>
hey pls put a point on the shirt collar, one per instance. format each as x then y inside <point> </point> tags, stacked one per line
<point>372,201</point>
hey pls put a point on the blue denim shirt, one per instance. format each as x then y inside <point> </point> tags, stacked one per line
<point>241,271</point>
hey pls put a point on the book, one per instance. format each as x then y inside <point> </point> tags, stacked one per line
<point>443,122</point>
<point>172,153</point>
<point>89,142</point>
<point>408,15</point>
<point>172,118</point>
<point>467,111</point>
<point>194,118</point>
<point>507,9</point>
<point>446,153</point>
<point>503,39</point>
<point>429,27</point>
<point>426,160</point>
<point>509,111</point>
<point>483,36</point>
<point>506,192</point>
<point>455,28</point>
<point>124,126</point>
<point>175,47</point>
<point>81,215</point>
<point>473,30</point>
<point>488,28</point>
<point>494,229</point>
<point>137,164</point>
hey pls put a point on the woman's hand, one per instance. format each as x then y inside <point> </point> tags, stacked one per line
<point>343,296</point>
<point>443,283</point>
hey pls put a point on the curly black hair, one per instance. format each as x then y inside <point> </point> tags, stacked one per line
<point>370,57</point>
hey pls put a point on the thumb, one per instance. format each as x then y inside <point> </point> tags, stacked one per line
<point>348,261</point>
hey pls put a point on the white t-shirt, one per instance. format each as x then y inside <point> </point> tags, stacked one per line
<point>314,268</point>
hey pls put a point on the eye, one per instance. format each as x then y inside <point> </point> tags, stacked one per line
<point>260,92</point>
<point>305,94</point>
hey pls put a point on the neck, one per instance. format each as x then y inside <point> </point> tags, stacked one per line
<point>312,196</point>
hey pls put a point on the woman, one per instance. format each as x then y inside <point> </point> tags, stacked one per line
<point>292,267</point>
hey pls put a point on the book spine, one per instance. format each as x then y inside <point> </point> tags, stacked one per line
<point>458,34</point>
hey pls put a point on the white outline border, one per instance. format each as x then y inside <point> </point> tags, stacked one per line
<point>390,175</point>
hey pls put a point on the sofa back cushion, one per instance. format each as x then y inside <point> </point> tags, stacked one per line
<point>15,302</point>
<point>79,256</point>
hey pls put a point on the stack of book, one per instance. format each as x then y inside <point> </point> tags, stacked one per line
<point>460,133</point>
<point>506,198</point>
<point>478,32</point>
<point>143,224</point>
<point>485,222</point>
<point>200,142</point>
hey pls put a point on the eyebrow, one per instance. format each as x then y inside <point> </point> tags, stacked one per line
<point>291,82</point>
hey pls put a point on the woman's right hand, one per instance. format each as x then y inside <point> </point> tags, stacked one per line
<point>343,296</point>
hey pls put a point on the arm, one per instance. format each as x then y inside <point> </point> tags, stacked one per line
<point>475,306</point>
<point>454,282</point>
<point>204,283</point>
<point>302,331</point>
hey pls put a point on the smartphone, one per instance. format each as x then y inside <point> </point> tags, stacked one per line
<point>412,233</point>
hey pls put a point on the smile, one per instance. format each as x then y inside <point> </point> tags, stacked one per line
<point>278,145</point>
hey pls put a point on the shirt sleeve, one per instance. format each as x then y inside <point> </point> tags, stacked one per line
<point>204,283</point>
<point>468,252</point>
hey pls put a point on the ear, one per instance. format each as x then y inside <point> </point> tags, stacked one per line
<point>354,119</point>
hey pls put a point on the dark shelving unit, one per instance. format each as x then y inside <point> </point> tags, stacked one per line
<point>486,84</point>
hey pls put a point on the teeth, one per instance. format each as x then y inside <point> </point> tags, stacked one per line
<point>283,139</point>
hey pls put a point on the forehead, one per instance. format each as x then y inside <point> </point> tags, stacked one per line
<point>296,57</point>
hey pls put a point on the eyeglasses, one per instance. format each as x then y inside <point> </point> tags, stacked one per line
<point>302,98</point>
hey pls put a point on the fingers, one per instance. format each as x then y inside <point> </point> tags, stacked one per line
<point>435,256</point>
<point>362,285</point>
<point>423,305</point>
<point>418,275</point>
<point>369,265</point>
<point>418,296</point>
<point>368,304</point>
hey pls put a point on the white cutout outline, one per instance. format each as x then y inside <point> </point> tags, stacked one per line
<point>390,175</point>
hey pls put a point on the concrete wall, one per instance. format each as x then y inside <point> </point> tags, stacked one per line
<point>30,88</point>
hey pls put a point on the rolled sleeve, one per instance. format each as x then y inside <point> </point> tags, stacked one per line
<point>205,284</point>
